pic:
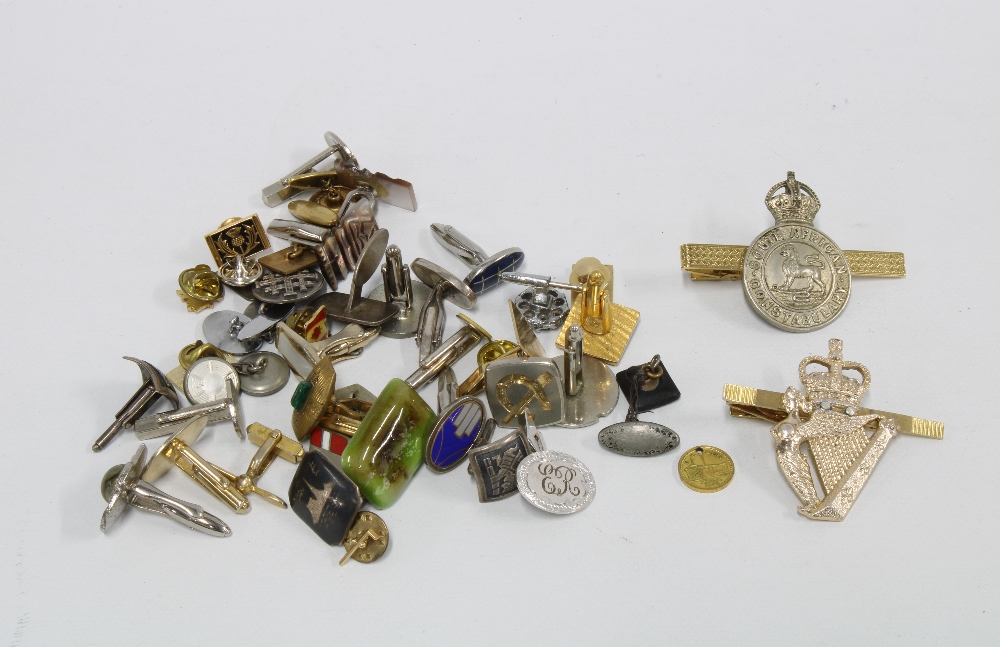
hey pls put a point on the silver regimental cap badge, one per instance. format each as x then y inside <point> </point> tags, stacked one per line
<point>794,275</point>
<point>844,440</point>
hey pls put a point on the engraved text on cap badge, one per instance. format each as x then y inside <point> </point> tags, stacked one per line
<point>794,275</point>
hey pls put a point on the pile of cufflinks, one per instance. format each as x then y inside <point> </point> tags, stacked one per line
<point>364,448</point>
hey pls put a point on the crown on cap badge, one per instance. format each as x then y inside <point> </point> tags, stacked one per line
<point>832,385</point>
<point>798,204</point>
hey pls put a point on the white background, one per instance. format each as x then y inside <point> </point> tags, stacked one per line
<point>608,129</point>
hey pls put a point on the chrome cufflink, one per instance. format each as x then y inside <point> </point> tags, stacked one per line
<point>398,288</point>
<point>162,424</point>
<point>345,172</point>
<point>122,487</point>
<point>154,386</point>
<point>486,270</point>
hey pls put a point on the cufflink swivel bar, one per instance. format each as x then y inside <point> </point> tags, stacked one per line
<point>177,451</point>
<point>573,362</point>
<point>276,193</point>
<point>284,447</point>
<point>269,450</point>
<point>444,285</point>
<point>154,385</point>
<point>465,339</point>
<point>537,281</point>
<point>162,424</point>
<point>486,271</point>
<point>122,488</point>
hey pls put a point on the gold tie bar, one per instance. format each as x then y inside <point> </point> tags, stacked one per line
<point>725,262</point>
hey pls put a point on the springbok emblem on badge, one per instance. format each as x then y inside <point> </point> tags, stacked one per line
<point>792,269</point>
<point>837,434</point>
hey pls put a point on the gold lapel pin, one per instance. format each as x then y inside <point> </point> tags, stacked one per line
<point>794,276</point>
<point>200,288</point>
<point>366,540</point>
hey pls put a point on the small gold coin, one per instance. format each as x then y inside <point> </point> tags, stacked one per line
<point>706,469</point>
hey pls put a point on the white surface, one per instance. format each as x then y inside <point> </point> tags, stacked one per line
<point>620,131</point>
